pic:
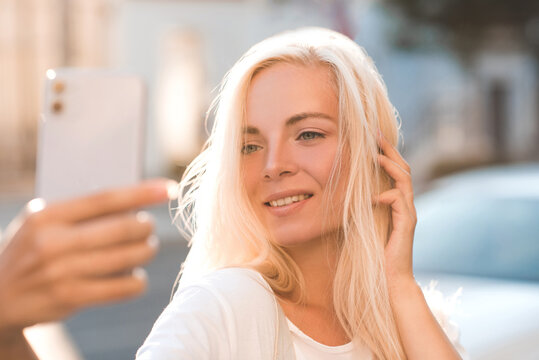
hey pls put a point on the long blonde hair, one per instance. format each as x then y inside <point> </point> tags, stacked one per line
<point>215,213</point>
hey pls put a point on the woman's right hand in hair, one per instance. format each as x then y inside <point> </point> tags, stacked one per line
<point>63,257</point>
<point>421,335</point>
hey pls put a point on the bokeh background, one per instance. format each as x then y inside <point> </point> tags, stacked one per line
<point>463,74</point>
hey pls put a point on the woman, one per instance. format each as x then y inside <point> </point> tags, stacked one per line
<point>301,218</point>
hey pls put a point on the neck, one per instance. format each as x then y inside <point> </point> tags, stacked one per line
<point>317,262</point>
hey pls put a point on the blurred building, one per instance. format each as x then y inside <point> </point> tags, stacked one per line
<point>36,35</point>
<point>181,48</point>
<point>475,67</point>
<point>485,113</point>
<point>453,114</point>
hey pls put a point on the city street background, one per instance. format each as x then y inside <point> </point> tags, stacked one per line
<point>464,76</point>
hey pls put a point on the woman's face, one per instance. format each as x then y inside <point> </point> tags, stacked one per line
<point>290,144</point>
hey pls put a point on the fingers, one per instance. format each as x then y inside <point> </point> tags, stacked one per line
<point>398,249</point>
<point>42,224</point>
<point>392,153</point>
<point>109,231</point>
<point>99,291</point>
<point>403,180</point>
<point>97,264</point>
<point>105,290</point>
<point>399,205</point>
<point>56,241</point>
<point>394,170</point>
<point>27,213</point>
<point>110,261</point>
<point>109,201</point>
<point>76,253</point>
<point>64,298</point>
<point>55,301</point>
<point>398,169</point>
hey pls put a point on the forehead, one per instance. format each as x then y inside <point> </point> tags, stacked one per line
<point>284,90</point>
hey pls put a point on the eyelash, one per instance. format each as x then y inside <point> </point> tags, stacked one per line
<point>251,148</point>
<point>314,133</point>
<point>246,146</point>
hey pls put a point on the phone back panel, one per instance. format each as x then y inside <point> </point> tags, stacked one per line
<point>90,132</point>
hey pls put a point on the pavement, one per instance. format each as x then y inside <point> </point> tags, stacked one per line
<point>115,332</point>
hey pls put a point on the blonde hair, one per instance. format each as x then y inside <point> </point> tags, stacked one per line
<point>215,213</point>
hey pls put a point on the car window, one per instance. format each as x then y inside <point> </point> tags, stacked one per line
<point>484,237</point>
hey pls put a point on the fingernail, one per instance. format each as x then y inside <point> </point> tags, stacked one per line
<point>144,217</point>
<point>140,273</point>
<point>172,190</point>
<point>35,205</point>
<point>153,242</point>
<point>162,188</point>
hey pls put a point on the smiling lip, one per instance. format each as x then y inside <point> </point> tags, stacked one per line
<point>289,209</point>
<point>285,194</point>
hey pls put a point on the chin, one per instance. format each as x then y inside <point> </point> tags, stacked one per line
<point>295,238</point>
<point>301,238</point>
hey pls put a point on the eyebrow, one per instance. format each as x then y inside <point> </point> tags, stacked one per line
<point>291,121</point>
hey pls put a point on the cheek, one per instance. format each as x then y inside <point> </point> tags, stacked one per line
<point>250,177</point>
<point>251,182</point>
<point>320,164</point>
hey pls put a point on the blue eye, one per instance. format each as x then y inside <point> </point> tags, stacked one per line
<point>310,135</point>
<point>249,148</point>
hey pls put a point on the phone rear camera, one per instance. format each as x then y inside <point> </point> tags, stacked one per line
<point>57,107</point>
<point>58,87</point>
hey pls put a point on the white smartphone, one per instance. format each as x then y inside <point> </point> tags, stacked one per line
<point>90,132</point>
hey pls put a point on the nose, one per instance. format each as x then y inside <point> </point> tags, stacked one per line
<point>279,162</point>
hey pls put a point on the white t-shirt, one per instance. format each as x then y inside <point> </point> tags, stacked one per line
<point>306,348</point>
<point>233,314</point>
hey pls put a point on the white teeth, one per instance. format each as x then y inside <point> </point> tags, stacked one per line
<point>289,200</point>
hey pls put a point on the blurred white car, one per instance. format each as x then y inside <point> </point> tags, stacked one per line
<point>479,230</point>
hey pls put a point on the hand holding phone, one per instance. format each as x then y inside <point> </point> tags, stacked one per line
<point>68,252</point>
<point>71,254</point>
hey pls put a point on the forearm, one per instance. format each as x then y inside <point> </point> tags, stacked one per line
<point>13,346</point>
<point>421,335</point>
